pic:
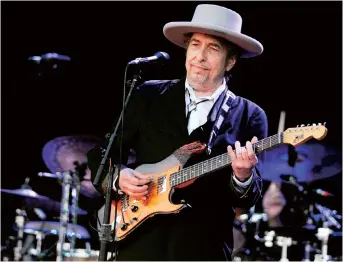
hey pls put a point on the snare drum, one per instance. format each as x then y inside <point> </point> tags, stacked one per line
<point>85,255</point>
<point>81,255</point>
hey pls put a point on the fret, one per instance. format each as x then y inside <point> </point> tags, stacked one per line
<point>220,161</point>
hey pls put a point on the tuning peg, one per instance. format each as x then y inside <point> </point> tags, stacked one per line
<point>308,124</point>
<point>319,124</point>
<point>302,125</point>
<point>314,124</point>
<point>324,123</point>
<point>297,125</point>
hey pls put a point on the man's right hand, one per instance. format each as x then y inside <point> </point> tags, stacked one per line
<point>134,183</point>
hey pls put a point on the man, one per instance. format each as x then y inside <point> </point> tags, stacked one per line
<point>165,117</point>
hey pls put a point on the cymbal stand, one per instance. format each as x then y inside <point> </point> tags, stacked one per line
<point>329,217</point>
<point>284,242</point>
<point>323,235</point>
<point>307,253</point>
<point>20,221</point>
<point>37,251</point>
<point>75,199</point>
<point>64,214</point>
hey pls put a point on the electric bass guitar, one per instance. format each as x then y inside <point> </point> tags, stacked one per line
<point>169,174</point>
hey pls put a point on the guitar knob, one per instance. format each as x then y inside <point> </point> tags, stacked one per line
<point>134,208</point>
<point>124,226</point>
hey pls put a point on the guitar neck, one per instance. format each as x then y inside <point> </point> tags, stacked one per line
<point>220,161</point>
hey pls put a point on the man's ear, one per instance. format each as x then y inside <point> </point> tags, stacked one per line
<point>230,63</point>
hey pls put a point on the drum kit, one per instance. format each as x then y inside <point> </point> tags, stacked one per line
<point>44,240</point>
<point>310,231</point>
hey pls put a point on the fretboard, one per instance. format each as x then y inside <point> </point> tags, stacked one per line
<point>220,161</point>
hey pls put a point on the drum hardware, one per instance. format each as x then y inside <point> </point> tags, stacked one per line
<point>28,250</point>
<point>19,221</point>
<point>323,235</point>
<point>75,199</point>
<point>307,253</point>
<point>64,217</point>
<point>41,230</point>
<point>37,251</point>
<point>329,216</point>
<point>70,186</point>
<point>20,217</point>
<point>284,243</point>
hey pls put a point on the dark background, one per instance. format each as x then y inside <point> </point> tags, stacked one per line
<point>299,71</point>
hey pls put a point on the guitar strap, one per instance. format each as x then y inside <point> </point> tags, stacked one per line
<point>222,114</point>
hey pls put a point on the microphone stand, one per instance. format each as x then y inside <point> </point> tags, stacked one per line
<point>105,231</point>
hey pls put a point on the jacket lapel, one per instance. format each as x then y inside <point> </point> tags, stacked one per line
<point>172,110</point>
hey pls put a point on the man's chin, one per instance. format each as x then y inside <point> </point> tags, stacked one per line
<point>196,80</point>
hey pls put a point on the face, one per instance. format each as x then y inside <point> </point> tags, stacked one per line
<point>273,200</point>
<point>66,160</point>
<point>206,62</point>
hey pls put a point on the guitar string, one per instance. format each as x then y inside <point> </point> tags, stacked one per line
<point>189,171</point>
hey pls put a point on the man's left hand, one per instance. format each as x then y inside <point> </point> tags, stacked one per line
<point>243,159</point>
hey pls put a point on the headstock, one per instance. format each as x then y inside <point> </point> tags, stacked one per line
<point>300,134</point>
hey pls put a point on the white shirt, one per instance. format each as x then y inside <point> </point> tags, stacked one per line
<point>199,112</point>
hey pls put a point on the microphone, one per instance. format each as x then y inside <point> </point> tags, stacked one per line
<point>322,192</point>
<point>159,56</point>
<point>58,175</point>
<point>48,57</point>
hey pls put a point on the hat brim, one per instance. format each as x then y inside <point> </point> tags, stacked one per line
<point>175,32</point>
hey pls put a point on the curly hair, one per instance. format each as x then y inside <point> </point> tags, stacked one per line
<point>71,144</point>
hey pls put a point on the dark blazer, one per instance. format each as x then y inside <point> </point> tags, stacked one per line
<point>155,125</point>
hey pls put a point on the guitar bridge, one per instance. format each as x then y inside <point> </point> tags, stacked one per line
<point>161,184</point>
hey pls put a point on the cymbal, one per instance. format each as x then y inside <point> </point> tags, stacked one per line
<point>24,193</point>
<point>52,227</point>
<point>50,205</point>
<point>34,200</point>
<point>313,161</point>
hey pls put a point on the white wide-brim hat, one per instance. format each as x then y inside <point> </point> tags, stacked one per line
<point>214,20</point>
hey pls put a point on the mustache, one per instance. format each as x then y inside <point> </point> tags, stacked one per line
<point>200,65</point>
